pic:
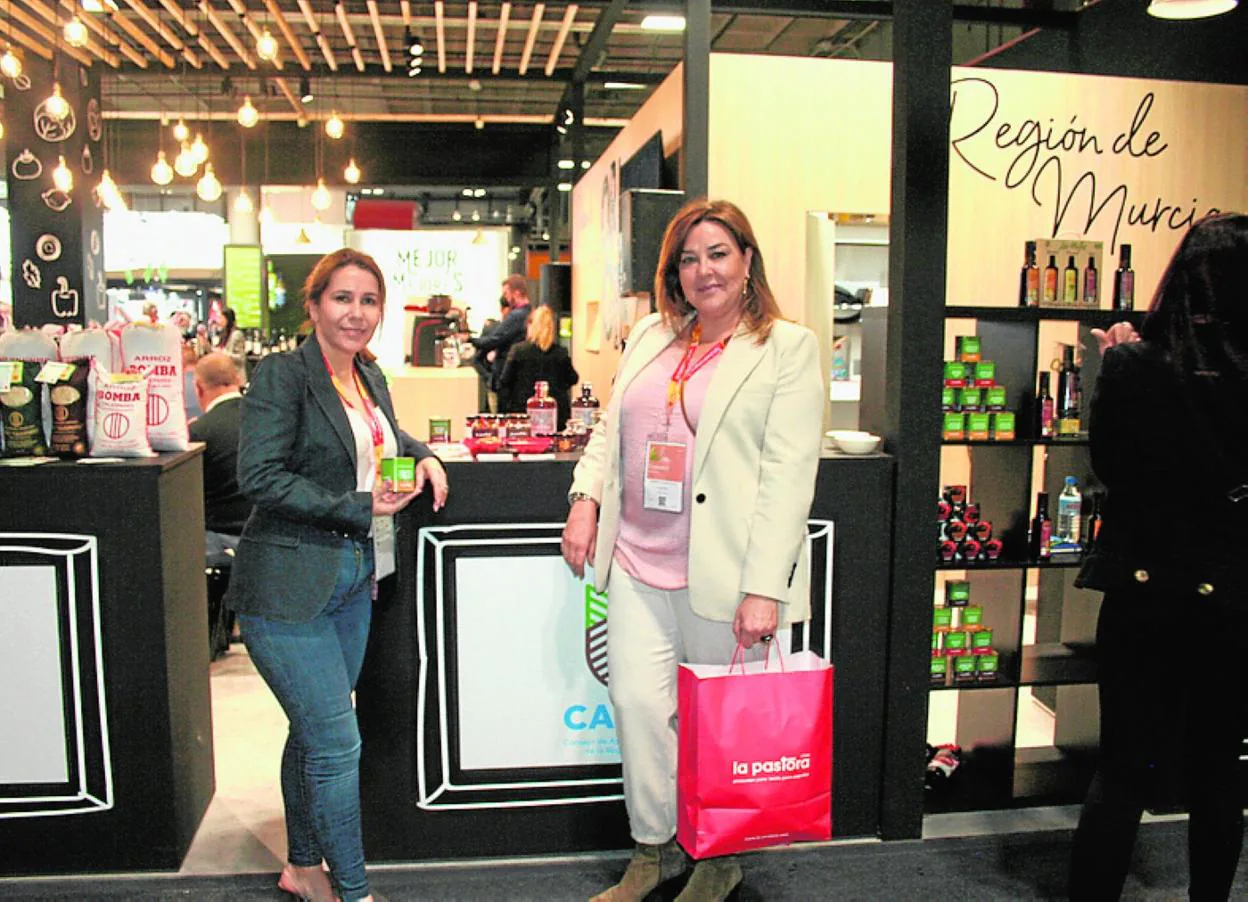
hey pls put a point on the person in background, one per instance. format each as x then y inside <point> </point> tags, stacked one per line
<point>218,389</point>
<point>728,394</point>
<point>1169,439</point>
<point>316,423</point>
<point>232,341</point>
<point>497,344</point>
<point>487,398</point>
<point>538,359</point>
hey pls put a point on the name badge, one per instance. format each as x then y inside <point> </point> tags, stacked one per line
<point>664,476</point>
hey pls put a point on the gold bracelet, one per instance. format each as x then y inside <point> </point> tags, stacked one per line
<point>574,497</point>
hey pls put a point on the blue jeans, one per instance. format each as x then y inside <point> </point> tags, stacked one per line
<point>312,668</point>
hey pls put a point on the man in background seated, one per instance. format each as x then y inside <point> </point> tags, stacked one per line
<point>218,386</point>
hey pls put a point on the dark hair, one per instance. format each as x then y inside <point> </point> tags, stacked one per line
<point>1199,314</point>
<point>759,308</point>
<point>230,317</point>
<point>517,283</point>
<point>318,279</point>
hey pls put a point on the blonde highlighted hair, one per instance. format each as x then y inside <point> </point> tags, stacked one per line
<point>541,328</point>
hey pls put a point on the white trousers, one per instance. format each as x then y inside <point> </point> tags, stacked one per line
<point>650,632</point>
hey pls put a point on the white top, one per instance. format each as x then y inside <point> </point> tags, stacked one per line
<point>366,477</point>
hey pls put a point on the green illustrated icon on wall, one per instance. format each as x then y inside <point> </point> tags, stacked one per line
<point>596,633</point>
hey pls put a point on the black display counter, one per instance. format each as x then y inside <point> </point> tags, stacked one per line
<point>106,759</point>
<point>482,698</point>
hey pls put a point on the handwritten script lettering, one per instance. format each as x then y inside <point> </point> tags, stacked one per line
<point>1039,155</point>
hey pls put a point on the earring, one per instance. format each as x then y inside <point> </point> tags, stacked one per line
<point>745,287</point>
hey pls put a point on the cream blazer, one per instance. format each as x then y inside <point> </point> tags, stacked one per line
<point>755,459</point>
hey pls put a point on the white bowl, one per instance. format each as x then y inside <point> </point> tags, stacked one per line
<point>854,442</point>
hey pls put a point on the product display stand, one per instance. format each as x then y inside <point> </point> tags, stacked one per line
<point>1058,664</point>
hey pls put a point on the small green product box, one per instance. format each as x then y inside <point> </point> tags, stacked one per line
<point>940,670</point>
<point>957,593</point>
<point>942,618</point>
<point>972,615</point>
<point>956,642</point>
<point>954,428</point>
<point>977,426</point>
<point>967,348</point>
<point>948,398</point>
<point>981,640</point>
<point>955,373</point>
<point>1002,426</point>
<point>936,634</point>
<point>965,669</point>
<point>971,399</point>
<point>994,398</point>
<point>401,471</point>
<point>985,375</point>
<point>987,666</point>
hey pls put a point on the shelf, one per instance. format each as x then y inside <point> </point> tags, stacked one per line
<point>1081,441</point>
<point>1000,683</point>
<point>1059,563</point>
<point>1056,664</point>
<point>1097,318</point>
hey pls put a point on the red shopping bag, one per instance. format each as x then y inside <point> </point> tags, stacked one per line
<point>754,767</point>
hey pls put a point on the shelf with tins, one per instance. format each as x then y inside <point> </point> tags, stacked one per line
<point>1046,673</point>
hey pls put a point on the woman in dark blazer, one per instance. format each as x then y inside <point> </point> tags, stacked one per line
<point>539,358</point>
<point>1169,435</point>
<point>315,424</point>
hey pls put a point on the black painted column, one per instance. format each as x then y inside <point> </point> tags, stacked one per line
<point>695,141</point>
<point>56,236</point>
<point>918,236</point>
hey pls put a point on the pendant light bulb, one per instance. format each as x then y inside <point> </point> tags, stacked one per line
<point>243,203</point>
<point>109,193</point>
<point>248,115</point>
<point>265,216</point>
<point>320,196</point>
<point>334,127</point>
<point>184,163</point>
<point>56,105</point>
<point>62,178</point>
<point>266,46</point>
<point>1,131</point>
<point>199,150</point>
<point>10,64</point>
<point>162,172</point>
<point>180,131</point>
<point>75,33</point>
<point>209,186</point>
<point>352,172</point>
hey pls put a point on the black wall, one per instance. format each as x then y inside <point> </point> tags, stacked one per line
<point>1119,37</point>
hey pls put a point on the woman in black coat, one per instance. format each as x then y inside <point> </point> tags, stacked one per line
<point>538,359</point>
<point>1169,437</point>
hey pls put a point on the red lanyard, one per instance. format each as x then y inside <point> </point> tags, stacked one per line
<point>687,368</point>
<point>370,411</point>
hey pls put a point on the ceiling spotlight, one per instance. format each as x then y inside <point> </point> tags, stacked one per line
<point>56,104</point>
<point>545,236</point>
<point>566,164</point>
<point>209,186</point>
<point>415,46</point>
<point>352,172</point>
<point>62,178</point>
<point>321,198</point>
<point>476,215</point>
<point>334,127</point>
<point>585,164</point>
<point>474,85</point>
<point>305,90</point>
<point>565,186</point>
<point>199,150</point>
<point>478,192</point>
<point>467,192</point>
<point>266,46</point>
<point>75,33</point>
<point>180,131</point>
<point>162,172</point>
<point>243,203</point>
<point>480,123</point>
<point>413,71</point>
<point>663,23</point>
<point>10,64</point>
<point>248,115</point>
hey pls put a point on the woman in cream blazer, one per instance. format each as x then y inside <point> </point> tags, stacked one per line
<point>743,397</point>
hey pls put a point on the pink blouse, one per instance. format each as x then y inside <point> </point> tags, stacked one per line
<point>653,545</point>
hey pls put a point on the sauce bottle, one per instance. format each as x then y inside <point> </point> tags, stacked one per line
<point>585,408</point>
<point>1041,529</point>
<point>1050,281</point>
<point>543,412</point>
<point>1029,279</point>
<point>1070,283</point>
<point>1124,281</point>
<point>1044,409</point>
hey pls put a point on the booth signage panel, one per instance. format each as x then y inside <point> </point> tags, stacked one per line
<point>244,284</point>
<point>525,675</point>
<point>469,265</point>
<point>32,744</point>
<point>141,243</point>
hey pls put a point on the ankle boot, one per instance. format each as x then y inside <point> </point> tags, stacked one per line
<point>712,880</point>
<point>649,866</point>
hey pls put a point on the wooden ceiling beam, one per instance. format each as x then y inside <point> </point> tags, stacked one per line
<point>139,36</point>
<point>321,40</point>
<point>439,14</point>
<point>534,24</point>
<point>569,16</point>
<point>109,38</point>
<point>227,33</point>
<point>211,49</point>
<point>284,27</point>
<point>178,14</point>
<point>381,35</point>
<point>53,38</point>
<point>503,15</point>
<point>472,36</point>
<point>25,40</point>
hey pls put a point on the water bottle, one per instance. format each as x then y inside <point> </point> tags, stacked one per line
<point>1069,517</point>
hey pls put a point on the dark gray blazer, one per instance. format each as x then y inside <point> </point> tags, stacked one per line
<point>297,465</point>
